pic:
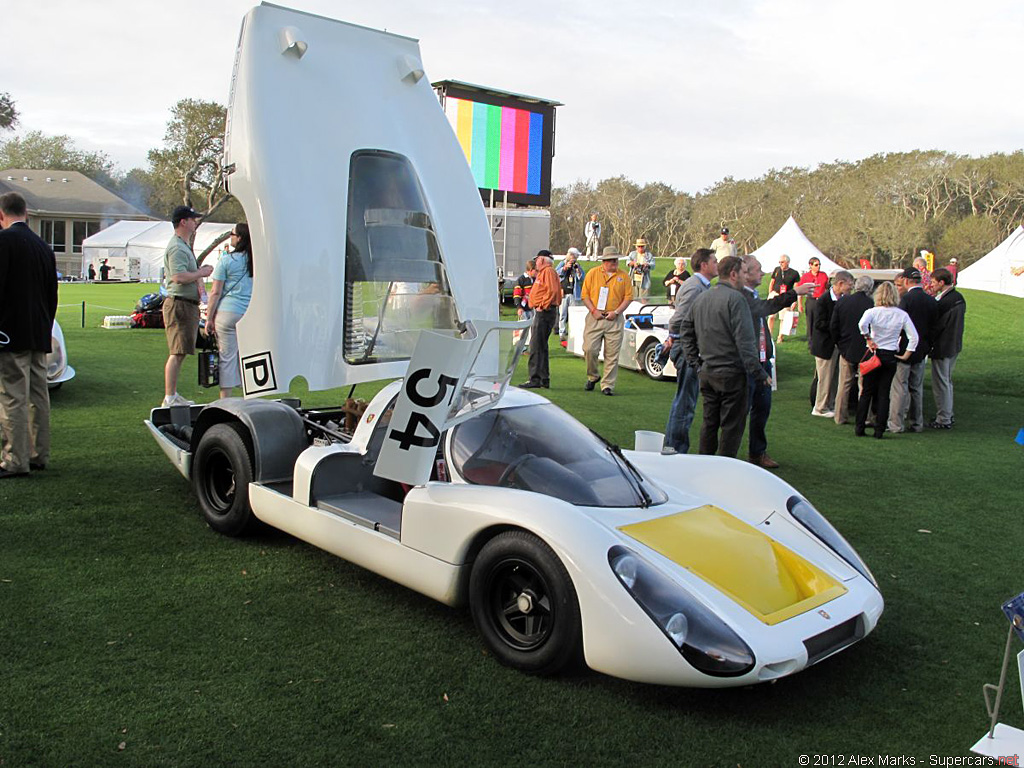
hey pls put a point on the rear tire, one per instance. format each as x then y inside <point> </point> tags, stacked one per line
<point>649,363</point>
<point>221,473</point>
<point>524,604</point>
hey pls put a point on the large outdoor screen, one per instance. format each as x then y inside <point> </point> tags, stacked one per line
<point>507,142</point>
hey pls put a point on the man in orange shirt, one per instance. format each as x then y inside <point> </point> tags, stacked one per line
<point>606,292</point>
<point>545,298</point>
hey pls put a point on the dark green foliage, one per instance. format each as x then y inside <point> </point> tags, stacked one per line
<point>37,150</point>
<point>8,112</point>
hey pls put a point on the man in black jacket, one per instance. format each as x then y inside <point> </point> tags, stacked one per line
<point>823,346</point>
<point>947,342</point>
<point>760,388</point>
<point>849,340</point>
<point>908,384</point>
<point>28,303</point>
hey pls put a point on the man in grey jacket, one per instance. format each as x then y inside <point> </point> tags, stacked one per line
<point>704,266</point>
<point>718,340</point>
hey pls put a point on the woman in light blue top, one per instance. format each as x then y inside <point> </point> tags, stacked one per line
<point>229,298</point>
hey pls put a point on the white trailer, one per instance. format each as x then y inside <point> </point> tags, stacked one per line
<point>517,234</point>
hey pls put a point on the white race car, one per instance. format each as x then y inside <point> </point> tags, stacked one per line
<point>678,570</point>
<point>57,369</point>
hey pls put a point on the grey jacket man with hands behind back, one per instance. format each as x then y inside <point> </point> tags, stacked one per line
<point>719,342</point>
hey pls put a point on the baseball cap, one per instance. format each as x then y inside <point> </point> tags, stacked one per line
<point>911,273</point>
<point>183,212</point>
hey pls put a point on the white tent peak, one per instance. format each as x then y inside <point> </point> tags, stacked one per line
<point>993,272</point>
<point>791,241</point>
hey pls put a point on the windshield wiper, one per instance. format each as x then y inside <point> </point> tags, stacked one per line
<point>634,478</point>
<point>638,479</point>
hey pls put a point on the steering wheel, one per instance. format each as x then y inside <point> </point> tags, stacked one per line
<point>511,468</point>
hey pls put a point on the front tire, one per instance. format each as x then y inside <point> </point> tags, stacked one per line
<point>221,473</point>
<point>649,361</point>
<point>524,604</point>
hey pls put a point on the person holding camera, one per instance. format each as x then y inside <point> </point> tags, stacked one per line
<point>592,231</point>
<point>570,275</point>
<point>640,263</point>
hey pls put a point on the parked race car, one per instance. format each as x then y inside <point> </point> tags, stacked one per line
<point>678,570</point>
<point>57,369</point>
<point>646,327</point>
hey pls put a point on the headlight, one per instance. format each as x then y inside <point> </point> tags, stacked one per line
<point>705,641</point>
<point>814,522</point>
<point>55,360</point>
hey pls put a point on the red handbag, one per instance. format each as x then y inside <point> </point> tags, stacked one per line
<point>869,363</point>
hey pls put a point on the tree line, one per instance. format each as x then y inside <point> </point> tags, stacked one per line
<point>186,169</point>
<point>885,208</point>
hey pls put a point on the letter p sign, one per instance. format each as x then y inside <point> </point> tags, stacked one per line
<point>258,374</point>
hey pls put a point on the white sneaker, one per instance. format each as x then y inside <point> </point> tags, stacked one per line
<point>176,399</point>
<point>825,414</point>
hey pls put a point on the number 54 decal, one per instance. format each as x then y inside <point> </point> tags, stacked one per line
<point>409,437</point>
<point>421,409</point>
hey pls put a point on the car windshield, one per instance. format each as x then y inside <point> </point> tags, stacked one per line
<point>541,448</point>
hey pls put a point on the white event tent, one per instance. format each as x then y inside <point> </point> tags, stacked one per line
<point>127,244</point>
<point>112,242</point>
<point>792,241</point>
<point>993,272</point>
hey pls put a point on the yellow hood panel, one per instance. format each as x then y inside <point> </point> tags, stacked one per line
<point>767,579</point>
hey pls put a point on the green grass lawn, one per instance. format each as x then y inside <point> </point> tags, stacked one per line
<point>131,634</point>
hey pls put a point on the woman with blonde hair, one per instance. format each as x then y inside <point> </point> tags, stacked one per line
<point>882,325</point>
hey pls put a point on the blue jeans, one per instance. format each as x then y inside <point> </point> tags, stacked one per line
<point>563,315</point>
<point>680,417</point>
<point>760,410</point>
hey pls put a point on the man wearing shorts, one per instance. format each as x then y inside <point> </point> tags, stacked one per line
<point>183,278</point>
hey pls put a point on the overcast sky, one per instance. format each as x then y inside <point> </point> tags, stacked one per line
<point>682,92</point>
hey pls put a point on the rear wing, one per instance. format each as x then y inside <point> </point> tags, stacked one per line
<point>365,219</point>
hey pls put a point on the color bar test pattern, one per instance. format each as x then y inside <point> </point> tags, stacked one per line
<point>502,144</point>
